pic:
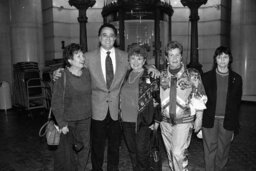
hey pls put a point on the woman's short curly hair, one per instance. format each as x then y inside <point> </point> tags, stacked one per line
<point>173,45</point>
<point>69,52</point>
<point>136,49</point>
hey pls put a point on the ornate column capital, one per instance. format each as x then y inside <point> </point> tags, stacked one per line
<point>193,4</point>
<point>82,4</point>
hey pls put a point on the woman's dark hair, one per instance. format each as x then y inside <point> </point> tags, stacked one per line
<point>220,50</point>
<point>69,52</point>
<point>109,26</point>
<point>173,45</point>
<point>136,49</point>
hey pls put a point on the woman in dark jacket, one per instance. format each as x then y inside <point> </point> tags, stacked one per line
<point>223,88</point>
<point>139,110</point>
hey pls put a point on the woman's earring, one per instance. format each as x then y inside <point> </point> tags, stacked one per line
<point>167,61</point>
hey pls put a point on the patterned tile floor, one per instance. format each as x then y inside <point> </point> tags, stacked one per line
<point>22,150</point>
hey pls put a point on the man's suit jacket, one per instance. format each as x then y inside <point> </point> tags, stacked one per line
<point>102,97</point>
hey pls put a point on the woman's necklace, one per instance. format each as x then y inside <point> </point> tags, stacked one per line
<point>132,78</point>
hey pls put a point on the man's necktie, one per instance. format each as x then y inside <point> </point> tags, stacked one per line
<point>109,70</point>
<point>173,94</point>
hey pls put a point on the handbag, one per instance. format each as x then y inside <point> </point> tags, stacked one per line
<point>155,155</point>
<point>51,131</point>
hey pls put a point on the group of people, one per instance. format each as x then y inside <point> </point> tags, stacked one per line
<point>106,93</point>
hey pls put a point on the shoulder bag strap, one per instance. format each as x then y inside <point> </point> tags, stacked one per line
<point>64,83</point>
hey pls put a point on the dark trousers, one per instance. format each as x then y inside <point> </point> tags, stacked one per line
<point>65,158</point>
<point>217,143</point>
<point>138,144</point>
<point>110,130</point>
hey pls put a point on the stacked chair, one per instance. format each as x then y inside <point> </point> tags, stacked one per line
<point>29,90</point>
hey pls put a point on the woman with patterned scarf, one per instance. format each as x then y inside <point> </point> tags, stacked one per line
<point>182,103</point>
<point>139,108</point>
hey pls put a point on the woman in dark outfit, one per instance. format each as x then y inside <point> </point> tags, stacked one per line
<point>223,88</point>
<point>71,105</point>
<point>139,108</point>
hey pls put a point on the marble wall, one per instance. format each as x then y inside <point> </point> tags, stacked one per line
<point>60,24</point>
<point>213,29</point>
<point>26,31</point>
<point>243,36</point>
<point>21,38</point>
<point>33,30</point>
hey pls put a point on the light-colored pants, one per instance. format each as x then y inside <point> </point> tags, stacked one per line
<point>176,140</point>
<point>217,142</point>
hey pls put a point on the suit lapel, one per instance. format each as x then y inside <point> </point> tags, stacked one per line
<point>118,72</point>
<point>98,69</point>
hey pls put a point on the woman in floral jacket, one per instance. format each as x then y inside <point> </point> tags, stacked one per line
<point>182,103</point>
<point>139,108</point>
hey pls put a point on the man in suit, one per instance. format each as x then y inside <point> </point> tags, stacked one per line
<point>105,97</point>
<point>108,67</point>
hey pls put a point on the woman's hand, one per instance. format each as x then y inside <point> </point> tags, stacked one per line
<point>198,121</point>
<point>153,71</point>
<point>64,130</point>
<point>154,126</point>
<point>155,103</point>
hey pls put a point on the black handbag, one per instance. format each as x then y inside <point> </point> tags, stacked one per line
<point>155,155</point>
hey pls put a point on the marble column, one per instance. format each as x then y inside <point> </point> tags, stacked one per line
<point>121,28</point>
<point>26,31</point>
<point>82,6</point>
<point>157,37</point>
<point>193,5</point>
<point>243,36</point>
<point>5,49</point>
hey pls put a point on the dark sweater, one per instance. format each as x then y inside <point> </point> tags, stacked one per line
<point>77,101</point>
<point>222,88</point>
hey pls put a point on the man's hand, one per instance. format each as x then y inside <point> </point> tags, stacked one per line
<point>198,121</point>
<point>153,71</point>
<point>57,74</point>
